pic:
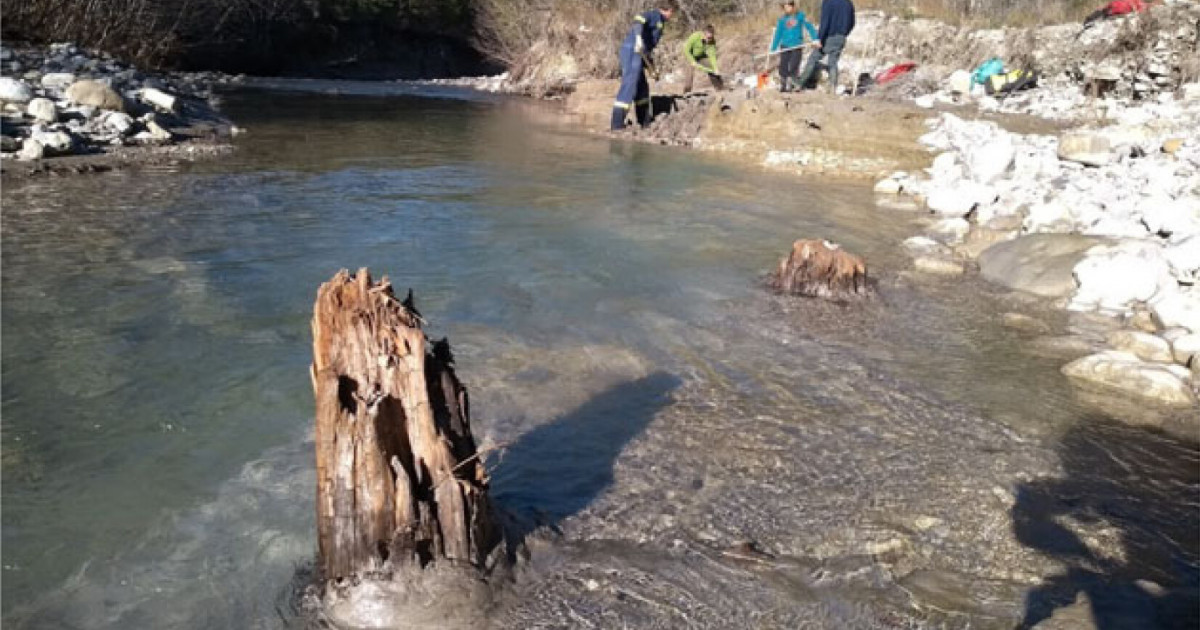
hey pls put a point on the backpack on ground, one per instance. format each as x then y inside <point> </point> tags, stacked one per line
<point>986,69</point>
<point>1012,81</point>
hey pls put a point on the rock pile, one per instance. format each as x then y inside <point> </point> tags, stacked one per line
<point>60,100</point>
<point>1119,206</point>
<point>1103,71</point>
<point>1104,217</point>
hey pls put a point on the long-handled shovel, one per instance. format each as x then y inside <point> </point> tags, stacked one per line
<point>783,50</point>
<point>649,69</point>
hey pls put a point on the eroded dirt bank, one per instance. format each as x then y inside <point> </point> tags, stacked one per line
<point>811,132</point>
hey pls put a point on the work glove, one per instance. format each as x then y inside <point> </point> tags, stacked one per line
<point>651,69</point>
<point>638,45</point>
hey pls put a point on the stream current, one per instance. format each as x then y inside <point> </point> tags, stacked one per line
<point>699,452</point>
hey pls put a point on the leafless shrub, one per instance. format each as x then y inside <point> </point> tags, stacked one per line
<point>148,32</point>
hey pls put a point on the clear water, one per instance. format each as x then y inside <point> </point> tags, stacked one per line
<point>906,462</point>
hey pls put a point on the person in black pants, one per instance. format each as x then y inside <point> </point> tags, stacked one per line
<point>789,34</point>
<point>837,20</point>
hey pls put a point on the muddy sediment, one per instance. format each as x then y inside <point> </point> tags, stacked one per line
<point>811,133</point>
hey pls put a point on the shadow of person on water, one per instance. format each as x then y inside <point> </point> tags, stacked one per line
<point>1144,488</point>
<point>559,468</point>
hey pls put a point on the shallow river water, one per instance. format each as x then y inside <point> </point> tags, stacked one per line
<point>701,453</point>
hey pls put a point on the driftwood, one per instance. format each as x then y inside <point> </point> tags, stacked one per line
<point>398,480</point>
<point>817,268</point>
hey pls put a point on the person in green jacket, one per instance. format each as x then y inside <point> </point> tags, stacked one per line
<point>700,52</point>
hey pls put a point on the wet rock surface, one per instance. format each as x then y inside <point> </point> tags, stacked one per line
<point>1042,264</point>
<point>1126,372</point>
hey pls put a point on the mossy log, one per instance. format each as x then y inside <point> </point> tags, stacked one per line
<point>398,477</point>
<point>817,268</point>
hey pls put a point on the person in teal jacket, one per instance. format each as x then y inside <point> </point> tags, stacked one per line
<point>789,33</point>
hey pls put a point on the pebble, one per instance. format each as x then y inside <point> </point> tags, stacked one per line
<point>1018,321</point>
<point>1142,345</point>
<point>938,265</point>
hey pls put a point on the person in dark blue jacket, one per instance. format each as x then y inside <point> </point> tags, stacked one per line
<point>837,20</point>
<point>635,57</point>
<point>789,34</point>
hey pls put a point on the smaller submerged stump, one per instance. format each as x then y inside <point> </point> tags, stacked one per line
<point>818,268</point>
<point>399,481</point>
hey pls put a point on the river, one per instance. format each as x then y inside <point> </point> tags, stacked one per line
<point>708,454</point>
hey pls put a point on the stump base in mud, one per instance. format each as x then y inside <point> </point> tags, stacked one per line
<point>817,268</point>
<point>399,481</point>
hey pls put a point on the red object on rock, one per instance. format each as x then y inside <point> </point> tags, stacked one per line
<point>902,68</point>
<point>1123,7</point>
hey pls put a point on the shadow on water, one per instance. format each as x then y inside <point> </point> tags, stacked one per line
<point>1131,484</point>
<point>559,468</point>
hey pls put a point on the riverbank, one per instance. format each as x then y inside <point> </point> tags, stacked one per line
<point>1083,191</point>
<point>1102,218</point>
<point>66,110</point>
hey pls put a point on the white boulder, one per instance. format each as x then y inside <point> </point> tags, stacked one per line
<point>1184,257</point>
<point>1090,149</point>
<point>888,186</point>
<point>1144,345</point>
<point>959,199</point>
<point>944,165</point>
<point>1052,216</point>
<point>1166,216</point>
<point>1041,264</point>
<point>1114,277</point>
<point>56,142</point>
<point>157,132</point>
<point>1124,372</point>
<point>57,81</point>
<point>31,150</point>
<point>158,98</point>
<point>951,230</point>
<point>42,110</point>
<point>95,94</point>
<point>1185,349</point>
<point>939,265</point>
<point>923,244</point>
<point>14,91</point>
<point>960,82</point>
<point>986,162</point>
<point>1178,308</point>
<point>119,122</point>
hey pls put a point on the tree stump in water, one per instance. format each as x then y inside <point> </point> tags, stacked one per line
<point>399,481</point>
<point>817,268</point>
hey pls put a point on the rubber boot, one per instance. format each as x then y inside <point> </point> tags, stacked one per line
<point>643,114</point>
<point>618,119</point>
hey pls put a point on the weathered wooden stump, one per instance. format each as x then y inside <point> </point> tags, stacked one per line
<point>817,268</point>
<point>399,481</point>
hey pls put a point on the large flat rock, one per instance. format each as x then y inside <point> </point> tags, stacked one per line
<point>1037,263</point>
<point>1124,372</point>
